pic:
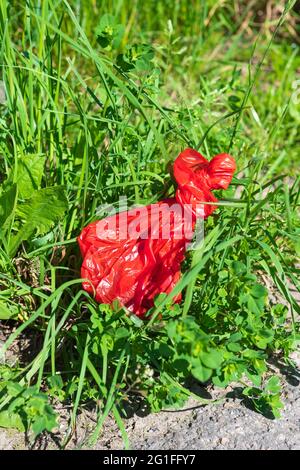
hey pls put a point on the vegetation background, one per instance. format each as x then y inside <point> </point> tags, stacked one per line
<point>96,99</point>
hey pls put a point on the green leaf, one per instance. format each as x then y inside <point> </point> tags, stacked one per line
<point>121,332</point>
<point>45,420</point>
<point>138,56</point>
<point>55,381</point>
<point>201,373</point>
<point>30,172</point>
<point>39,425</point>
<point>7,312</point>
<point>234,347</point>
<point>239,268</point>
<point>235,337</point>
<point>273,384</point>
<point>181,364</point>
<point>263,338</point>
<point>222,292</point>
<point>276,404</point>
<point>39,214</point>
<point>7,204</point>
<point>136,320</point>
<point>14,389</point>
<point>254,298</point>
<point>255,378</point>
<point>258,291</point>
<point>212,359</point>
<point>11,420</point>
<point>109,32</point>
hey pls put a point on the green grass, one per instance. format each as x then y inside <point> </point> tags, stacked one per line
<point>81,126</point>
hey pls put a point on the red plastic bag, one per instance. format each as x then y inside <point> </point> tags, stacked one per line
<point>134,256</point>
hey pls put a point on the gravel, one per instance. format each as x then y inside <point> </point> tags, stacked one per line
<point>227,425</point>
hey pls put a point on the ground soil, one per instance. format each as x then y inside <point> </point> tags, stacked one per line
<point>230,424</point>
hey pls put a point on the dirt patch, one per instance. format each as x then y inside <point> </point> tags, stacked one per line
<point>226,425</point>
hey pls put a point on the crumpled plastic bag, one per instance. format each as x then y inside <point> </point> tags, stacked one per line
<point>133,256</point>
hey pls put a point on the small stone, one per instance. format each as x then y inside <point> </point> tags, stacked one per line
<point>224,441</point>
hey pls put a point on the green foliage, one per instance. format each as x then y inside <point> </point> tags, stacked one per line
<point>29,173</point>
<point>31,210</point>
<point>138,57</point>
<point>7,204</point>
<point>28,409</point>
<point>38,214</point>
<point>97,100</point>
<point>6,311</point>
<point>109,32</point>
<point>266,400</point>
<point>193,350</point>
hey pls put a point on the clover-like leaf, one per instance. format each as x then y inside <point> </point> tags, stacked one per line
<point>109,32</point>
<point>138,56</point>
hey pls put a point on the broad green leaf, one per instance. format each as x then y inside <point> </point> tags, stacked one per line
<point>14,389</point>
<point>263,338</point>
<point>201,373</point>
<point>7,204</point>
<point>11,420</point>
<point>29,176</point>
<point>212,359</point>
<point>234,347</point>
<point>39,425</point>
<point>39,214</point>
<point>273,384</point>
<point>239,268</point>
<point>258,291</point>
<point>255,305</point>
<point>6,312</point>
<point>235,337</point>
<point>255,298</point>
<point>181,364</point>
<point>255,378</point>
<point>276,405</point>
<point>46,421</point>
